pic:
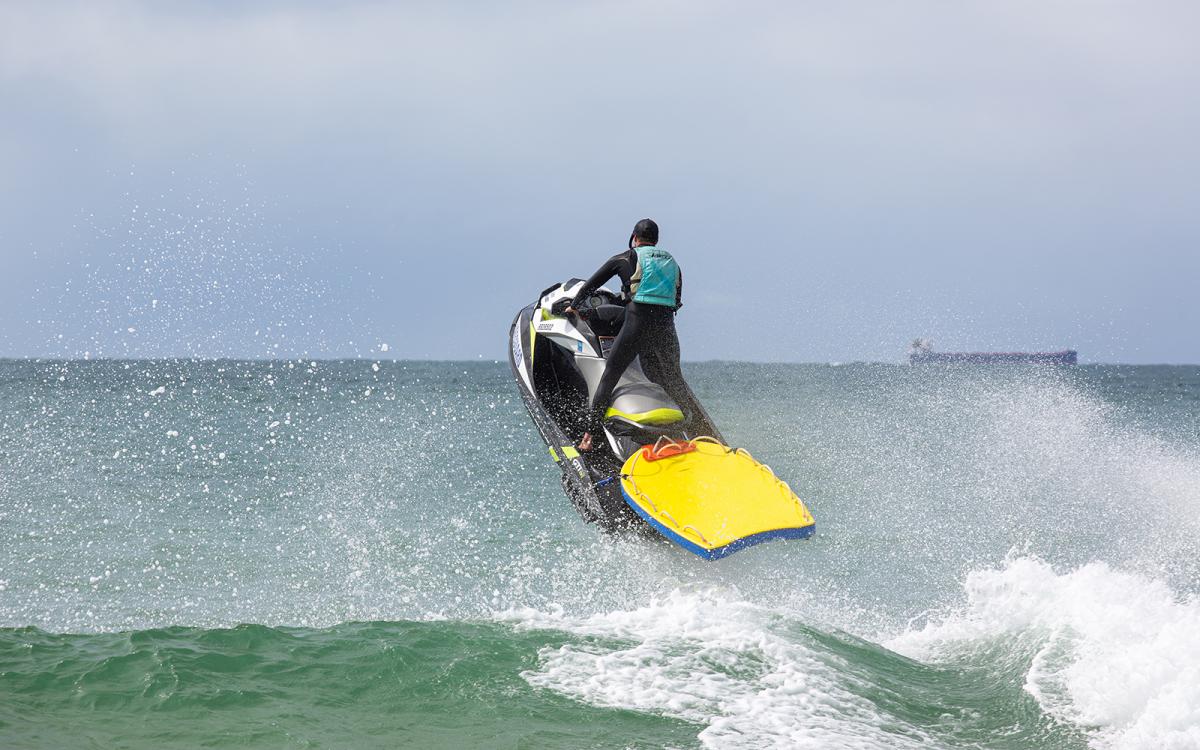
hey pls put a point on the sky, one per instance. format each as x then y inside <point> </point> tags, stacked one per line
<point>271,179</point>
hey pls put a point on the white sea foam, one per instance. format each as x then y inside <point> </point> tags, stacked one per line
<point>713,659</point>
<point>1115,653</point>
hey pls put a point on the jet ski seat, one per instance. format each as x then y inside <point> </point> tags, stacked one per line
<point>637,400</point>
<point>640,401</point>
<point>643,404</point>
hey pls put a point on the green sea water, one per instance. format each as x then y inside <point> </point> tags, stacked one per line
<point>345,554</point>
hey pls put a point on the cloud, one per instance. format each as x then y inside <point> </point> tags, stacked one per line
<point>516,79</point>
<point>969,146</point>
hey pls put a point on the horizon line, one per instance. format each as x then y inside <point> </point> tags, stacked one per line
<point>481,360</point>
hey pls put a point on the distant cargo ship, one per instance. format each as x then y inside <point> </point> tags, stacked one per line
<point>922,353</point>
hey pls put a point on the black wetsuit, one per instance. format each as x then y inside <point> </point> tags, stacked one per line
<point>648,332</point>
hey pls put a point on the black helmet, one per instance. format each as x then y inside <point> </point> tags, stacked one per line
<point>646,231</point>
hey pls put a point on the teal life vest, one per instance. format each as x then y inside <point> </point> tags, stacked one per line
<point>656,279</point>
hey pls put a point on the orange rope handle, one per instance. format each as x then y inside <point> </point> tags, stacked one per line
<point>658,444</point>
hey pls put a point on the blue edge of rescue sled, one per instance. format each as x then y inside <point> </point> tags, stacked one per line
<point>728,549</point>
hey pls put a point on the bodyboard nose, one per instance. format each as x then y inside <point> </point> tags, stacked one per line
<point>713,500</point>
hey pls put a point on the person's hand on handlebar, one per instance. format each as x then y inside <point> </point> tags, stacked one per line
<point>570,312</point>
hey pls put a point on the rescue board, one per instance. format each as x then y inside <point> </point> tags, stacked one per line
<point>711,499</point>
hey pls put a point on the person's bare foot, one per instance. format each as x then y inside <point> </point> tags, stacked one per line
<point>585,443</point>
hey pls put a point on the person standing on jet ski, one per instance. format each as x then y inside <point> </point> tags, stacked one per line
<point>653,284</point>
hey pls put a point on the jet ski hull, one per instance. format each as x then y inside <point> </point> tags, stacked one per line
<point>596,500</point>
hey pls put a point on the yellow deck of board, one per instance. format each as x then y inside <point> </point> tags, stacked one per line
<point>713,497</point>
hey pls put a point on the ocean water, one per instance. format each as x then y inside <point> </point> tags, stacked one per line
<point>359,554</point>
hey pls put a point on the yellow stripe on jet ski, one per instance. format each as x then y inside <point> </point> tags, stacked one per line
<point>568,451</point>
<point>532,348</point>
<point>653,417</point>
<point>714,500</point>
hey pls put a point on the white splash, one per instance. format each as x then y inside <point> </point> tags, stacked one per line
<point>1118,653</point>
<point>710,658</point>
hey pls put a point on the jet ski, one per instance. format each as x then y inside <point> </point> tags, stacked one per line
<point>658,465</point>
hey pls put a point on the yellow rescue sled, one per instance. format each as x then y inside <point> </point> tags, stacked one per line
<point>711,499</point>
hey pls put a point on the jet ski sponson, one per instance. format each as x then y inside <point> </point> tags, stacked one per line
<point>701,494</point>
